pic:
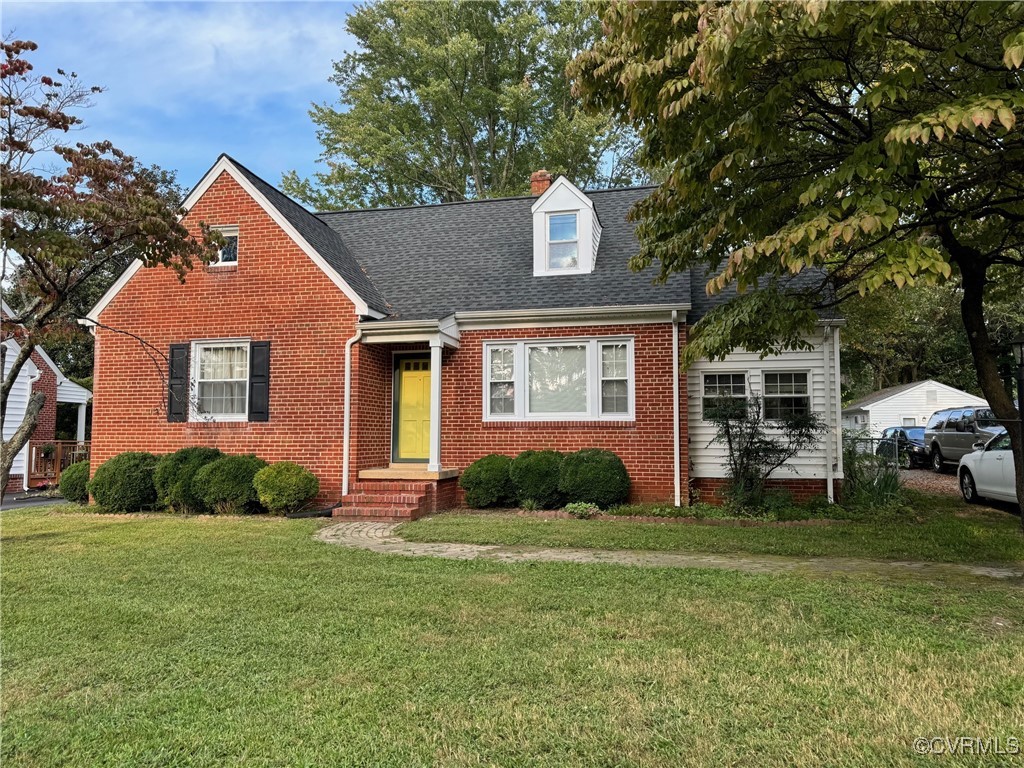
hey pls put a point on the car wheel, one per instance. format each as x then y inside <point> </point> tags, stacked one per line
<point>905,460</point>
<point>967,487</point>
<point>937,465</point>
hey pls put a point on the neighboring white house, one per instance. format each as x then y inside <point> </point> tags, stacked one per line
<point>17,401</point>
<point>906,405</point>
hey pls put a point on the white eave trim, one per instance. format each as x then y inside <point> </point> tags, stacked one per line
<point>640,313</point>
<point>224,165</point>
<point>558,183</point>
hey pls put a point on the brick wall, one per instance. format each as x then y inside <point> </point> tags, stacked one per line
<point>46,423</point>
<point>711,490</point>
<point>645,444</point>
<point>275,293</point>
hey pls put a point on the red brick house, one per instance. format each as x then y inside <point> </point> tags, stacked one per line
<point>39,374</point>
<point>386,350</point>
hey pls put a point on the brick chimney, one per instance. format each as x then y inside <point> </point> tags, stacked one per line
<point>539,182</point>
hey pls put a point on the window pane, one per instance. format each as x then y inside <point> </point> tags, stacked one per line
<point>503,398</point>
<point>229,253</point>
<point>558,379</point>
<point>780,407</point>
<point>562,255</point>
<point>562,227</point>
<point>222,397</point>
<point>614,397</point>
<point>613,361</point>
<point>223,363</point>
<point>785,383</point>
<point>502,365</point>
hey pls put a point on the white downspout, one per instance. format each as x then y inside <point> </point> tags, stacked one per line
<point>830,444</point>
<point>347,418</point>
<point>675,407</point>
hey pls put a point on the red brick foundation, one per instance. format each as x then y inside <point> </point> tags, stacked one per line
<point>15,484</point>
<point>711,490</point>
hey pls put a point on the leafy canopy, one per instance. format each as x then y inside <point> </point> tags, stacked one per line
<point>878,142</point>
<point>454,100</point>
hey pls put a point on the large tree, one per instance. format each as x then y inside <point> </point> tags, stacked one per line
<point>71,213</point>
<point>873,144</point>
<point>460,99</point>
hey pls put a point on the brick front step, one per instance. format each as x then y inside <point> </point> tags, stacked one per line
<point>377,513</point>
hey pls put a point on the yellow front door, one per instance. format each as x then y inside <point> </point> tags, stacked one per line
<point>412,414</point>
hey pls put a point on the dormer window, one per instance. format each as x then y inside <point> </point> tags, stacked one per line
<point>563,241</point>
<point>228,254</point>
<point>566,232</point>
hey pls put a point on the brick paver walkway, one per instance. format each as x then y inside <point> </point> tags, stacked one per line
<point>381,537</point>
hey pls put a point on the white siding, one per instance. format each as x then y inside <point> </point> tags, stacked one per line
<point>17,402</point>
<point>916,404</point>
<point>708,459</point>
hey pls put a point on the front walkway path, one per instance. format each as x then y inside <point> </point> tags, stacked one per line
<point>381,537</point>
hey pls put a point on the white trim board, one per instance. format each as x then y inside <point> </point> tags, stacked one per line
<point>224,165</point>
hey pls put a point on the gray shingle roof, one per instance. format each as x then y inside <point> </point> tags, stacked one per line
<point>882,394</point>
<point>326,242</point>
<point>430,261</point>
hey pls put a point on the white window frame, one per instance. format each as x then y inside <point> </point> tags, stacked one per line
<point>231,231</point>
<point>703,390</point>
<point>520,379</point>
<point>548,242</point>
<point>765,396</point>
<point>193,375</point>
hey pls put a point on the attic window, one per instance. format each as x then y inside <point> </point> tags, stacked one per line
<point>228,255</point>
<point>563,241</point>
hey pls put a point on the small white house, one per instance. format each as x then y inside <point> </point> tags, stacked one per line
<point>906,405</point>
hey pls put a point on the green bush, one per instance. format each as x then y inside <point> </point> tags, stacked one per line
<point>174,474</point>
<point>225,485</point>
<point>285,486</point>
<point>582,510</point>
<point>73,481</point>
<point>488,482</point>
<point>595,476</point>
<point>535,476</point>
<point>125,482</point>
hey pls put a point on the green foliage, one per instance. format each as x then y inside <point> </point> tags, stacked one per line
<point>824,150</point>
<point>582,510</point>
<point>869,482</point>
<point>447,101</point>
<point>226,484</point>
<point>755,448</point>
<point>594,476</point>
<point>173,478</point>
<point>73,481</point>
<point>488,482</point>
<point>125,482</point>
<point>535,476</point>
<point>285,486</point>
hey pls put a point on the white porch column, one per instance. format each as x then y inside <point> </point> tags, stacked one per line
<point>434,464</point>
<point>80,432</point>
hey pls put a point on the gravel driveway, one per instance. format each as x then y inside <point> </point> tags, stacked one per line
<point>928,482</point>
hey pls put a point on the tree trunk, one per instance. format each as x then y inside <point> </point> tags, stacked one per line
<point>11,448</point>
<point>999,399</point>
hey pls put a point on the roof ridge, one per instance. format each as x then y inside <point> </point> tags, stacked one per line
<point>477,200</point>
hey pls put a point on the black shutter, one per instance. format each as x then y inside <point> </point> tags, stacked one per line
<point>177,383</point>
<point>259,381</point>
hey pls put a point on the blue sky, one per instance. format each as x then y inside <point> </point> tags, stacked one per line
<point>187,81</point>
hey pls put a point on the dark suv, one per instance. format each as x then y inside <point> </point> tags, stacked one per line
<point>952,433</point>
<point>905,445</point>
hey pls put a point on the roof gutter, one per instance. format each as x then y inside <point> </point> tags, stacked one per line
<point>570,313</point>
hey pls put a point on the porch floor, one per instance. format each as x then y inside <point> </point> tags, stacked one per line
<point>406,472</point>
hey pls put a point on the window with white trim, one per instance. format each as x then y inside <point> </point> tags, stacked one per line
<point>227,256</point>
<point>220,380</point>
<point>722,393</point>
<point>785,394</point>
<point>575,379</point>
<point>563,241</point>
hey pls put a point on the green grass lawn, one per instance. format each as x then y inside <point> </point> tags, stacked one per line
<point>162,641</point>
<point>938,529</point>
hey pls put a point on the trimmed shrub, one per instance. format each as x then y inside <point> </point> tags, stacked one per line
<point>488,483</point>
<point>225,485</point>
<point>174,474</point>
<point>535,476</point>
<point>73,481</point>
<point>125,482</point>
<point>595,476</point>
<point>285,486</point>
